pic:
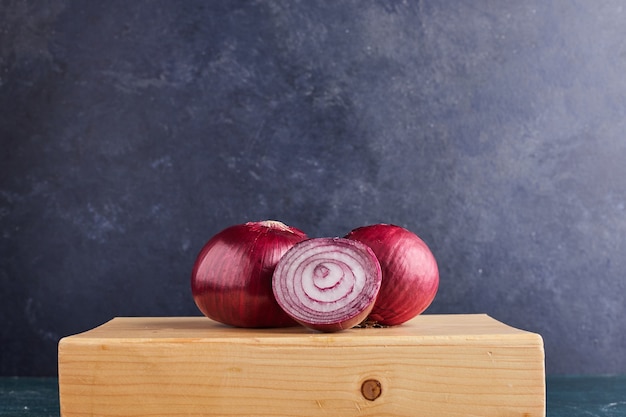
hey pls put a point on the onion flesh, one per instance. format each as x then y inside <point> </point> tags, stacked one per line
<point>327,284</point>
<point>410,276</point>
<point>231,280</point>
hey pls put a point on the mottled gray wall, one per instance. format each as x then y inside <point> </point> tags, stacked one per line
<point>132,131</point>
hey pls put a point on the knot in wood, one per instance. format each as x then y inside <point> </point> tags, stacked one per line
<point>371,389</point>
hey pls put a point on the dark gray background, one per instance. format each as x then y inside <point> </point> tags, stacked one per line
<point>132,131</point>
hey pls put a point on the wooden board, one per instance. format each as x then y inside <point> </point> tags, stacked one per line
<point>434,365</point>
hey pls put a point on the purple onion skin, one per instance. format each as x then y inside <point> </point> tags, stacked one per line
<point>231,280</point>
<point>410,276</point>
<point>341,325</point>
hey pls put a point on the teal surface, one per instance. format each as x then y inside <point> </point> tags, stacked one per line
<point>32,397</point>
<point>566,397</point>
<point>586,396</point>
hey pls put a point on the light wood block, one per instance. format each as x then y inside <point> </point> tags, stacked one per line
<point>433,365</point>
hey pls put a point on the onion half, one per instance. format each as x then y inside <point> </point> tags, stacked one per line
<point>409,269</point>
<point>327,284</point>
<point>231,280</point>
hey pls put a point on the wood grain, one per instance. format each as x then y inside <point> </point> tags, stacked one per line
<point>437,365</point>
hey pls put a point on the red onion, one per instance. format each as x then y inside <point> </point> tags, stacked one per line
<point>232,276</point>
<point>410,273</point>
<point>327,284</point>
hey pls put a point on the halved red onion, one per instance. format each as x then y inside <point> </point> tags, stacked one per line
<point>231,280</point>
<point>410,272</point>
<point>327,284</point>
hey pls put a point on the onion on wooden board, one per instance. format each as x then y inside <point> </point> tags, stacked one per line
<point>231,280</point>
<point>327,284</point>
<point>410,276</point>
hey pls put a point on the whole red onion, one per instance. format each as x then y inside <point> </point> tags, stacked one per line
<point>327,284</point>
<point>409,269</point>
<point>231,280</point>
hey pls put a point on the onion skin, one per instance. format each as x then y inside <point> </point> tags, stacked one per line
<point>231,280</point>
<point>327,284</point>
<point>409,271</point>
